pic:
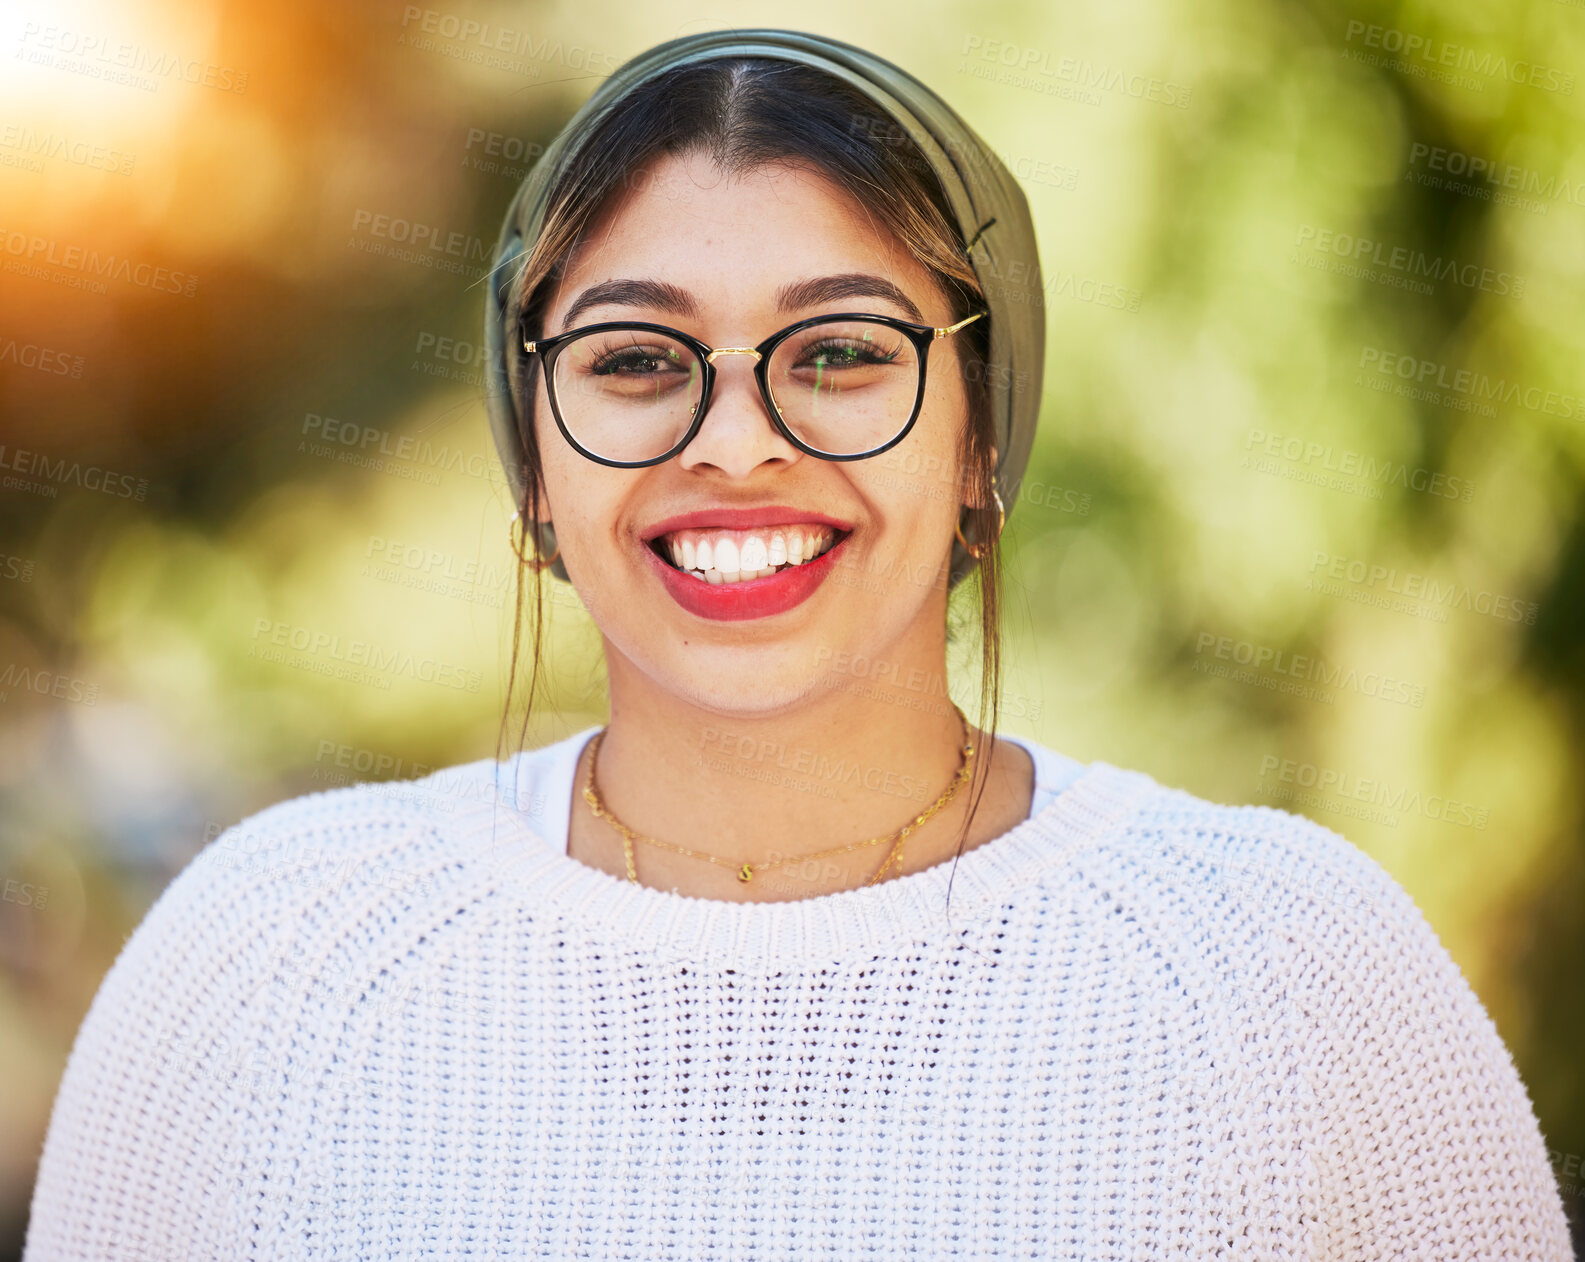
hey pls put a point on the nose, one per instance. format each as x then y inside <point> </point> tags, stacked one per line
<point>738,434</point>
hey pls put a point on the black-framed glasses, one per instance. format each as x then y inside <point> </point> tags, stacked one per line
<point>841,387</point>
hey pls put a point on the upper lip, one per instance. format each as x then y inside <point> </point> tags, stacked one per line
<point>740,519</point>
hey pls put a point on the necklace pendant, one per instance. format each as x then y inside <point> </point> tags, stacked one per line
<point>745,873</point>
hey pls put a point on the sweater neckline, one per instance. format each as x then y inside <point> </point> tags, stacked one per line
<point>767,935</point>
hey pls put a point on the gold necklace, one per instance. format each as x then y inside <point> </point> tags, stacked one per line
<point>746,871</point>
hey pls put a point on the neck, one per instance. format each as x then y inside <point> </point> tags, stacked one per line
<point>853,759</point>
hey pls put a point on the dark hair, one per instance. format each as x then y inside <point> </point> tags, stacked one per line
<point>749,112</point>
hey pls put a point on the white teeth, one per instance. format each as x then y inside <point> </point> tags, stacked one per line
<point>737,557</point>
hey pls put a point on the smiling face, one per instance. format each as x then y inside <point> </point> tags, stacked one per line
<point>777,564</point>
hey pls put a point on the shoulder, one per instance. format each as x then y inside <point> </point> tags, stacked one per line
<point>1295,913</point>
<point>1315,954</point>
<point>388,833</point>
<point>334,870</point>
<point>198,1030</point>
<point>396,843</point>
<point>1174,834</point>
<point>1255,855</point>
<point>305,867</point>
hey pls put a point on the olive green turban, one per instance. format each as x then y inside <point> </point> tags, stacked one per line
<point>984,198</point>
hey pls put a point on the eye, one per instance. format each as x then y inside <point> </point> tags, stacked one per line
<point>636,361</point>
<point>844,352</point>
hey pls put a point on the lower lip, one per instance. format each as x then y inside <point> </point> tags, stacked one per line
<point>747,598</point>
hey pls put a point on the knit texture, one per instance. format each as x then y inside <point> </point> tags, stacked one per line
<point>400,1022</point>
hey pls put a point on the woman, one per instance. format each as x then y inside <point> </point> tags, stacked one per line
<point>788,959</point>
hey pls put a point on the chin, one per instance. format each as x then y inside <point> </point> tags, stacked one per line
<point>742,681</point>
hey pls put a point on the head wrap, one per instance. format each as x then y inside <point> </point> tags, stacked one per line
<point>985,200</point>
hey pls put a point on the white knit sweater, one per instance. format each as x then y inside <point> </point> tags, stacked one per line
<point>395,1022</point>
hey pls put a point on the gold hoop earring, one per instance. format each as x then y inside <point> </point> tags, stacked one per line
<point>534,563</point>
<point>1001,521</point>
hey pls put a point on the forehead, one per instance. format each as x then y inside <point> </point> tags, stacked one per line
<point>732,240</point>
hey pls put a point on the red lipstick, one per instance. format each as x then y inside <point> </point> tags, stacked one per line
<point>748,598</point>
<point>741,519</point>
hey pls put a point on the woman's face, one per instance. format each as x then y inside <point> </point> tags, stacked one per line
<point>727,251</point>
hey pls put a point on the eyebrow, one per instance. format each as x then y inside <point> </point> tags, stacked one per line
<point>631,293</point>
<point>790,297</point>
<point>822,289</point>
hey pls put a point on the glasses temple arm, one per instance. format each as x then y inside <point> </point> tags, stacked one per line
<point>953,328</point>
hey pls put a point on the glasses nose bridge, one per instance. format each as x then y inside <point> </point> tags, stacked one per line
<point>767,407</point>
<point>733,350</point>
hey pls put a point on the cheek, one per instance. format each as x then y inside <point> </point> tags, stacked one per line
<point>558,463</point>
<point>926,465</point>
<point>947,398</point>
<point>585,500</point>
<point>911,491</point>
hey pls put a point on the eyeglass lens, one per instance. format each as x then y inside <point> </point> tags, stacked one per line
<point>844,387</point>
